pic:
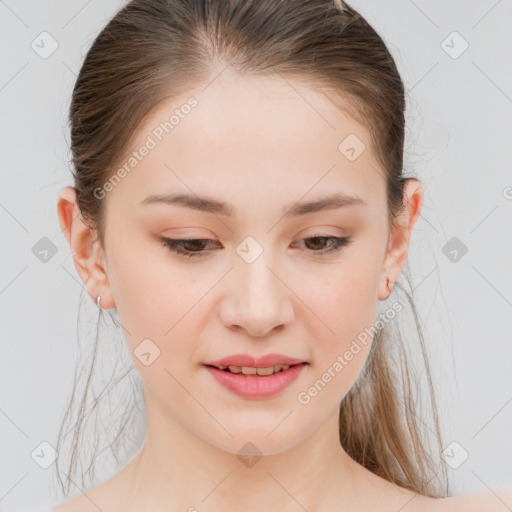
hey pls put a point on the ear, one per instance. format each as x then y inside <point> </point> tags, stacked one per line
<point>86,249</point>
<point>400,236</point>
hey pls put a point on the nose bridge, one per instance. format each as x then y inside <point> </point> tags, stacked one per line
<point>258,280</point>
<point>260,299</point>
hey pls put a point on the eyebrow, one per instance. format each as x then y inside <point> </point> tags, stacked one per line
<point>210,205</point>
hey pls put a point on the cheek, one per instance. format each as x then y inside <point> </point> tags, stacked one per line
<point>344,312</point>
<point>154,299</point>
<point>342,304</point>
<point>164,325</point>
<point>341,340</point>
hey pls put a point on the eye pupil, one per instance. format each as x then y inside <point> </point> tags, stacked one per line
<point>196,243</point>
<point>315,240</point>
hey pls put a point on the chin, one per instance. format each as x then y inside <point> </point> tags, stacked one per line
<point>256,441</point>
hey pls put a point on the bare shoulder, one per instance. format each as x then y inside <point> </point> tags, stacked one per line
<point>110,495</point>
<point>497,500</point>
<point>101,497</point>
<point>78,503</point>
<point>486,501</point>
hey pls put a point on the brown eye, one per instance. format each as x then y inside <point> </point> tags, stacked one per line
<point>196,246</point>
<point>319,243</point>
<point>187,247</point>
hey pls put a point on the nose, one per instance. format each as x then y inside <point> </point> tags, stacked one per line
<point>258,299</point>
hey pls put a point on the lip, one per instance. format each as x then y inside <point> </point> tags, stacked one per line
<point>260,362</point>
<point>256,386</point>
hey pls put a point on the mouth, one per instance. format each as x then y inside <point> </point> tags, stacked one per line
<point>250,382</point>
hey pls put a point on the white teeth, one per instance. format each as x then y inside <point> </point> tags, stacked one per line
<point>266,371</point>
<point>248,370</point>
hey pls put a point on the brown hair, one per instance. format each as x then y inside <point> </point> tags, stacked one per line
<point>155,49</point>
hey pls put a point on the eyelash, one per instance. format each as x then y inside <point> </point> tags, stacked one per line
<point>176,245</point>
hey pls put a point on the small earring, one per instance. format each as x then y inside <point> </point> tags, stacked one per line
<point>113,319</point>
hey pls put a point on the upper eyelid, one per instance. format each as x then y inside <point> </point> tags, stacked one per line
<point>178,241</point>
<point>206,239</point>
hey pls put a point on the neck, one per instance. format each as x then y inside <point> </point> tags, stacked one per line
<point>176,468</point>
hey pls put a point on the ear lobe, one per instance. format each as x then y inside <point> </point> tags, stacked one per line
<point>85,248</point>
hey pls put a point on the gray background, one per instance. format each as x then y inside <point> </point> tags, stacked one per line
<point>458,144</point>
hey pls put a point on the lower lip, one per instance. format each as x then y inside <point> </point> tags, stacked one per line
<point>256,386</point>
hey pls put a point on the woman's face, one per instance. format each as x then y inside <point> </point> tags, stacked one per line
<point>261,147</point>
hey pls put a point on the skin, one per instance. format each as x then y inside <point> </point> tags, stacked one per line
<point>261,146</point>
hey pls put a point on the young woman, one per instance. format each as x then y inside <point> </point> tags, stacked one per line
<point>239,201</point>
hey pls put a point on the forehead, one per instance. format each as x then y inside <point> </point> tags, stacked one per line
<point>256,133</point>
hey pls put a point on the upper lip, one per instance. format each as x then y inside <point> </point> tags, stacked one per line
<point>260,362</point>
